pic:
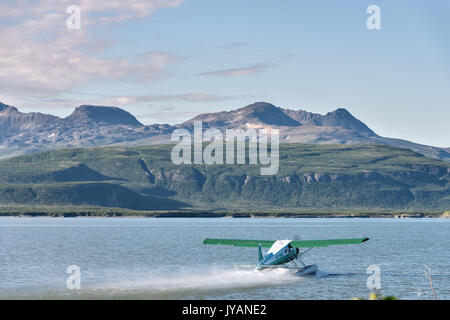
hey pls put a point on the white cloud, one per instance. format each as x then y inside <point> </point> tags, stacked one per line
<point>237,71</point>
<point>233,45</point>
<point>39,55</point>
<point>122,9</point>
<point>102,8</point>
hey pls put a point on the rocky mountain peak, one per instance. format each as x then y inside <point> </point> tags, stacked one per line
<point>5,107</point>
<point>263,113</point>
<point>342,118</point>
<point>258,113</point>
<point>259,107</point>
<point>266,113</point>
<point>101,114</point>
<point>303,117</point>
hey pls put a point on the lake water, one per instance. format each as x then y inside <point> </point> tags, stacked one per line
<point>164,258</point>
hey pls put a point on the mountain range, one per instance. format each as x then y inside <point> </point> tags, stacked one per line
<point>88,126</point>
<point>327,162</point>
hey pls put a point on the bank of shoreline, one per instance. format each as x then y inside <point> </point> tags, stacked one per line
<point>120,212</point>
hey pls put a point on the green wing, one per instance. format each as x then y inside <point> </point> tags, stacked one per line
<point>240,242</point>
<point>295,244</point>
<point>326,242</point>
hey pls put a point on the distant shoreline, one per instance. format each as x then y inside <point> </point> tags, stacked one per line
<point>106,212</point>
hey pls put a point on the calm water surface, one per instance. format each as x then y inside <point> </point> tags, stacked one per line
<point>147,258</point>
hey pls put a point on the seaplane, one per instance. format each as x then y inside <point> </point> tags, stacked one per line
<point>284,253</point>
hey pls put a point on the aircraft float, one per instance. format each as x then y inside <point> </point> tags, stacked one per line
<point>284,253</point>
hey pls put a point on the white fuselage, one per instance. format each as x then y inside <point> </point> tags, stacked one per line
<point>279,253</point>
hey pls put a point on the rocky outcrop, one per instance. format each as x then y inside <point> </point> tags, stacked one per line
<point>104,115</point>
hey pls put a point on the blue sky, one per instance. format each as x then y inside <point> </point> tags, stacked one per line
<point>167,60</point>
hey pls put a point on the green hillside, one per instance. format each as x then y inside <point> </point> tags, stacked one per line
<point>311,178</point>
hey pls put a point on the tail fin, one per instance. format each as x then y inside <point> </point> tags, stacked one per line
<point>261,253</point>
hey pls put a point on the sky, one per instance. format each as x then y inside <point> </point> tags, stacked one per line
<point>166,61</point>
